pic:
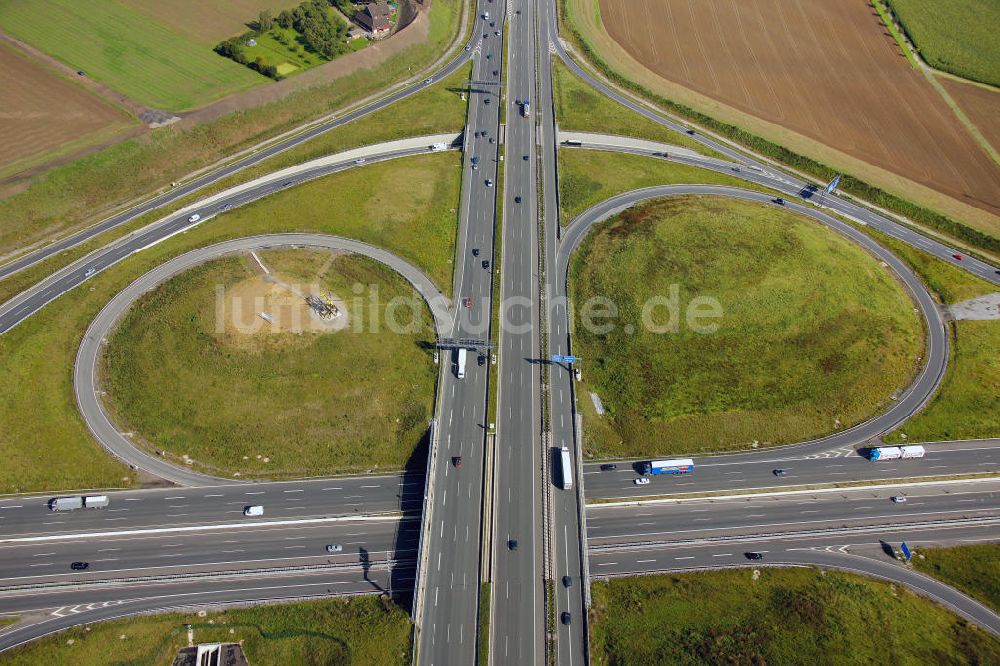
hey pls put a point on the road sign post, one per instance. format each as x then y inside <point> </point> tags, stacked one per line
<point>906,552</point>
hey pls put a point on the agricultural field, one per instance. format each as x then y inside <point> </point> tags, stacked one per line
<point>821,78</point>
<point>46,115</point>
<point>198,375</point>
<point>125,49</point>
<point>973,569</point>
<point>46,444</point>
<point>361,630</point>
<point>980,104</point>
<point>786,616</point>
<point>957,36</point>
<point>207,21</point>
<point>814,335</point>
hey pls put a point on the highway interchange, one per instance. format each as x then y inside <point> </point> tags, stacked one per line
<point>190,545</point>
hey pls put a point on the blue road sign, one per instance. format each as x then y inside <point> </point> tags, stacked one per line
<point>556,358</point>
<point>569,359</point>
<point>906,552</point>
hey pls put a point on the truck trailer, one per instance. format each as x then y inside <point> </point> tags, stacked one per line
<point>65,503</point>
<point>566,468</point>
<point>677,466</point>
<point>460,370</point>
<point>96,501</point>
<point>895,452</point>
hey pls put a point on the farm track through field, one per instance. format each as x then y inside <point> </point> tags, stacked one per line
<point>823,70</point>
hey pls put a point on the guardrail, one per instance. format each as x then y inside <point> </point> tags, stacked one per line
<point>424,542</point>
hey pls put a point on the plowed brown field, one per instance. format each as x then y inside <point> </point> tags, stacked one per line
<point>981,104</point>
<point>825,70</point>
<point>42,111</point>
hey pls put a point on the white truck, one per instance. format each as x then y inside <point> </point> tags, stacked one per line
<point>462,354</point>
<point>566,467</point>
<point>438,147</point>
<point>895,452</point>
<point>96,501</point>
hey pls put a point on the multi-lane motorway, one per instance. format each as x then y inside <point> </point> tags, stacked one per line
<point>156,549</point>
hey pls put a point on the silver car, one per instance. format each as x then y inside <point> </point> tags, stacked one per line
<point>334,548</point>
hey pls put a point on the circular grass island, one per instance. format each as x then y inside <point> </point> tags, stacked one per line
<point>229,369</point>
<point>813,334</point>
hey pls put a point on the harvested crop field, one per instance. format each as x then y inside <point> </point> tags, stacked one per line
<point>980,104</point>
<point>43,111</point>
<point>824,70</point>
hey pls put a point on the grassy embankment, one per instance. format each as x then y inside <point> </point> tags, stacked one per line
<point>362,630</point>
<point>967,406</point>
<point>975,569</point>
<point>236,394</point>
<point>128,51</point>
<point>787,616</point>
<point>588,177</point>
<point>958,36</point>
<point>437,109</point>
<point>580,108</point>
<point>582,27</point>
<point>815,336</point>
<point>88,189</point>
<point>46,444</point>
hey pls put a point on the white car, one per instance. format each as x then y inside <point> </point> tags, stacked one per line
<point>90,271</point>
<point>899,499</point>
<point>641,481</point>
<point>334,548</point>
<point>359,161</point>
<point>255,510</point>
<point>194,218</point>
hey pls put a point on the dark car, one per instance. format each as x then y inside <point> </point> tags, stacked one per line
<point>496,72</point>
<point>457,461</point>
<point>481,360</point>
<point>526,158</point>
<point>779,201</point>
<point>779,472</point>
<point>486,101</point>
<point>691,132</point>
<point>475,252</point>
<point>565,618</point>
<point>512,544</point>
<point>517,199</point>
<point>567,581</point>
<point>79,566</point>
<point>609,467</point>
<point>754,556</point>
<point>486,264</point>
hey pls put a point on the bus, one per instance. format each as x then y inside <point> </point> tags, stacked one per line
<point>678,466</point>
<point>567,469</point>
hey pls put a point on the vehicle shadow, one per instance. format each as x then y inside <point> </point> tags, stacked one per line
<point>403,553</point>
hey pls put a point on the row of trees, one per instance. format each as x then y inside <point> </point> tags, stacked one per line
<point>320,31</point>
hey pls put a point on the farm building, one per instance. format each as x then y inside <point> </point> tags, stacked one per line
<point>376,18</point>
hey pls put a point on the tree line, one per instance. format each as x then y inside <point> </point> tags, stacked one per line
<point>320,31</point>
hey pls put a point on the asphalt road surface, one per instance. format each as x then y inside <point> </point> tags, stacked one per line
<point>756,471</point>
<point>450,564</point>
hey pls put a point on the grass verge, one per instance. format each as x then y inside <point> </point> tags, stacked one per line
<point>239,395</point>
<point>801,347</point>
<point>362,630</point>
<point>784,616</point>
<point>967,406</point>
<point>580,108</point>
<point>47,445</point>
<point>90,188</point>
<point>483,646</point>
<point>975,569</point>
<point>823,172</point>
<point>588,177</point>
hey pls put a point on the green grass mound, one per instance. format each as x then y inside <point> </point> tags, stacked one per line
<point>973,569</point>
<point>794,616</point>
<point>364,630</point>
<point>814,335</point>
<point>195,370</point>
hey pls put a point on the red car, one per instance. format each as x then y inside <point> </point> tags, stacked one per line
<point>457,461</point>
<point>957,256</point>
<point>467,302</point>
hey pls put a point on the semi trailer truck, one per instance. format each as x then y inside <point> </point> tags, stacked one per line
<point>895,452</point>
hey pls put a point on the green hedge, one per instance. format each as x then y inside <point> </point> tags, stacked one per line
<point>848,183</point>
